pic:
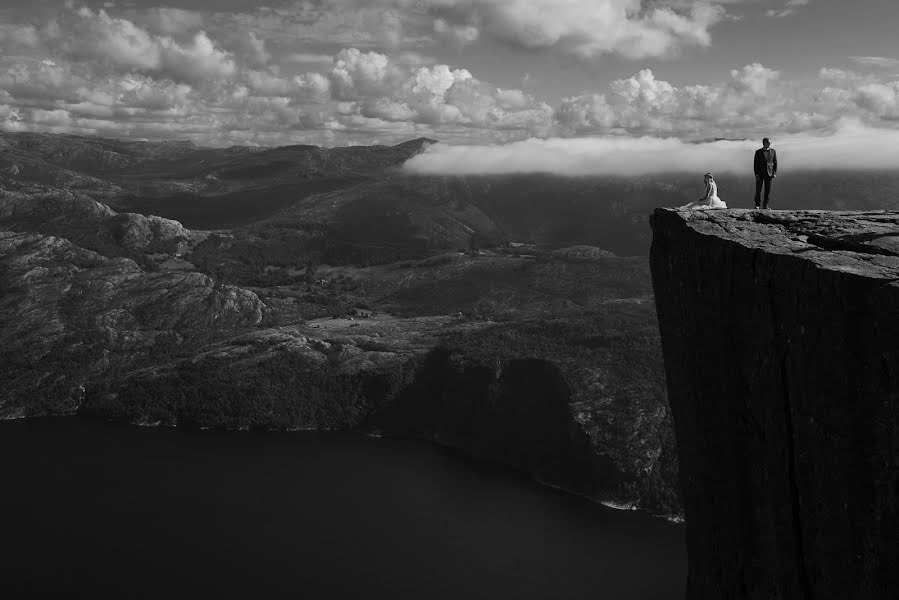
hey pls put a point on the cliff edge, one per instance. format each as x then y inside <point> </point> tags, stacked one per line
<point>780,334</point>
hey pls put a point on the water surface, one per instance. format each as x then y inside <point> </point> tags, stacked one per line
<point>113,510</point>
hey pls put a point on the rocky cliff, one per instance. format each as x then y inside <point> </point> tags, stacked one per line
<point>779,334</point>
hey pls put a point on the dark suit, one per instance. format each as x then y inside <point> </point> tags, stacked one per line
<point>765,167</point>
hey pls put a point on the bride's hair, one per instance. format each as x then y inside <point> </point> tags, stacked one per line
<point>709,175</point>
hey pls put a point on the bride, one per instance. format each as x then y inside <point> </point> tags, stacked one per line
<point>710,199</point>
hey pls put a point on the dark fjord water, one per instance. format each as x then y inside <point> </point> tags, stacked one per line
<point>109,510</point>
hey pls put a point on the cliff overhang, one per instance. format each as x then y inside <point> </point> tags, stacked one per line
<point>779,334</point>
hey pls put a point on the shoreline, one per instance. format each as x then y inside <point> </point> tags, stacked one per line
<point>377,435</point>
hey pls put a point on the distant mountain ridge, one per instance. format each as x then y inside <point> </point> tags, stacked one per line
<point>365,199</point>
<point>361,193</point>
<point>96,156</point>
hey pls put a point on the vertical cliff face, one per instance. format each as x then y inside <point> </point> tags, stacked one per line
<point>780,333</point>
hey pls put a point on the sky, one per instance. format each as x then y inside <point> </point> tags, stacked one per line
<point>472,73</point>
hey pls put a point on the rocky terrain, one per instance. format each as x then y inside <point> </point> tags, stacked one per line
<point>309,288</point>
<point>304,287</point>
<point>779,333</point>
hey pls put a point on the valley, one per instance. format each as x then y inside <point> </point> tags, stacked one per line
<point>310,288</point>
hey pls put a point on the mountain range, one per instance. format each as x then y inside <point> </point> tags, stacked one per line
<point>310,288</point>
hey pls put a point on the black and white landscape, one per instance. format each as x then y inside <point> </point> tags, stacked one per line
<point>304,288</point>
<point>354,299</point>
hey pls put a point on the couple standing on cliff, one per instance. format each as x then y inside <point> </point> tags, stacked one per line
<point>765,166</point>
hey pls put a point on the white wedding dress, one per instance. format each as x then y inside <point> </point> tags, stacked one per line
<point>709,200</point>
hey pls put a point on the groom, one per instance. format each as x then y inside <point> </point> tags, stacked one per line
<point>765,167</point>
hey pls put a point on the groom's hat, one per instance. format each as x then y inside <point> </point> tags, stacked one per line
<point>765,140</point>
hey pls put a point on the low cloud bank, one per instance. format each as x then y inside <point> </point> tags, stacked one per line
<point>850,147</point>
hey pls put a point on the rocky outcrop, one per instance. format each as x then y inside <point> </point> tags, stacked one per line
<point>65,312</point>
<point>33,206</point>
<point>148,233</point>
<point>779,333</point>
<point>582,253</point>
<point>90,223</point>
<point>275,378</point>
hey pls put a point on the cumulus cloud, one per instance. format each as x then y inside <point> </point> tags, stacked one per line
<point>309,86</point>
<point>588,28</point>
<point>753,78</point>
<point>136,92</point>
<point>87,35</point>
<point>357,74</point>
<point>751,101</point>
<point>850,146</point>
<point>51,117</point>
<point>373,85</point>
<point>880,99</point>
<point>198,61</point>
<point>29,79</point>
<point>268,83</point>
<point>316,83</point>
<point>264,76</point>
<point>840,76</point>
<point>251,48</point>
<point>84,34</point>
<point>584,28</point>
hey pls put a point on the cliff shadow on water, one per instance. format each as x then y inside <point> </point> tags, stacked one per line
<point>516,413</point>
